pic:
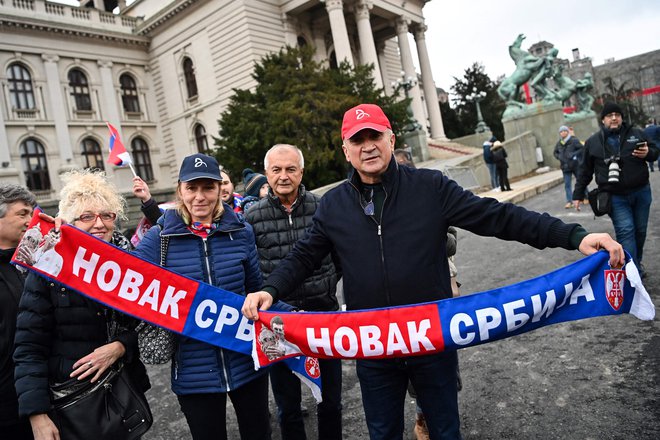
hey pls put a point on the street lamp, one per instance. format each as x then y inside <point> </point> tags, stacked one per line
<point>477,97</point>
<point>407,83</point>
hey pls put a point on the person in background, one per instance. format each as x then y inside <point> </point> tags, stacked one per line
<point>568,151</point>
<point>499,157</point>
<point>279,220</point>
<point>16,206</point>
<point>211,244</point>
<point>490,164</point>
<point>61,334</point>
<point>652,132</point>
<point>227,194</point>
<point>617,156</point>
<point>256,188</point>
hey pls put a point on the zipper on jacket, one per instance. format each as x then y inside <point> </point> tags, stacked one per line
<point>210,281</point>
<point>388,296</point>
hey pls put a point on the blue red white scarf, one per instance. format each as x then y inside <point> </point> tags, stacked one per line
<point>94,268</point>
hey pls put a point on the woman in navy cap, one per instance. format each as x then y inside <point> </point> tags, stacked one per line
<point>206,242</point>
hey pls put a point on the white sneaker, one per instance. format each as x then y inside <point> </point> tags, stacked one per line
<point>497,189</point>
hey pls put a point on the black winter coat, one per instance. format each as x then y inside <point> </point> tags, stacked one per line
<point>56,327</point>
<point>634,172</point>
<point>569,154</point>
<point>11,288</point>
<point>276,233</point>
<point>402,259</point>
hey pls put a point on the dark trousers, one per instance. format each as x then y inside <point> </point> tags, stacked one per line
<point>287,393</point>
<point>383,383</point>
<point>503,176</point>
<point>205,413</point>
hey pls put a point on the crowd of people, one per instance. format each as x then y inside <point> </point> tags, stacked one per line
<point>284,247</point>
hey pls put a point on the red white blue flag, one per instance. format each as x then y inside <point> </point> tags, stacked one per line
<point>118,154</point>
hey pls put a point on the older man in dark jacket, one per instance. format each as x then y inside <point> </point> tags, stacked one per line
<point>388,225</point>
<point>618,156</point>
<point>279,221</point>
<point>16,205</point>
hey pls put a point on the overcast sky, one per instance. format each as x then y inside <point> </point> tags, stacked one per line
<point>462,32</point>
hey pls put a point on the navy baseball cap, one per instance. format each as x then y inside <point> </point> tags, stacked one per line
<point>199,166</point>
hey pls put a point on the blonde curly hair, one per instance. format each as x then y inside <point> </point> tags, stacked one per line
<point>86,190</point>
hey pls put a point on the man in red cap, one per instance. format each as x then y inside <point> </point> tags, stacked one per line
<point>387,224</point>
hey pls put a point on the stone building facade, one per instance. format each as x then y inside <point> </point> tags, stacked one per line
<point>163,71</point>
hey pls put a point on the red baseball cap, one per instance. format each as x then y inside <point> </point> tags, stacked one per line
<point>364,116</point>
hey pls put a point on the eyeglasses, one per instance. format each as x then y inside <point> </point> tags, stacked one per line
<point>91,218</point>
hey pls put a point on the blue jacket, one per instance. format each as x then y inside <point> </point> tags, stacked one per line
<point>230,254</point>
<point>488,155</point>
<point>403,260</point>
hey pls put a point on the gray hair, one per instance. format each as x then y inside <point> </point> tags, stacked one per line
<point>285,146</point>
<point>11,193</point>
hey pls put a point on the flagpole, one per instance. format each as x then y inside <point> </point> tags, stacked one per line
<point>130,164</point>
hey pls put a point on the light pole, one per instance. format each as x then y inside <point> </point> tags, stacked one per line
<point>414,136</point>
<point>477,97</point>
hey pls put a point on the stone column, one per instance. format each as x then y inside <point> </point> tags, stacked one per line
<point>430,92</point>
<point>368,54</point>
<point>109,106</point>
<point>58,106</point>
<point>335,10</point>
<point>409,70</point>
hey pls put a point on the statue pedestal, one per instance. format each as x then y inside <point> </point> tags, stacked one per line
<point>417,143</point>
<point>543,120</point>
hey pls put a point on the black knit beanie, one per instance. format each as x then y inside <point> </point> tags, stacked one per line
<point>610,107</point>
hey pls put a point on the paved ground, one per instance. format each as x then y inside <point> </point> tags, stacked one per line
<point>592,379</point>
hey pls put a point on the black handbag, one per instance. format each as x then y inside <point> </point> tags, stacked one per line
<point>108,409</point>
<point>156,344</point>
<point>600,202</point>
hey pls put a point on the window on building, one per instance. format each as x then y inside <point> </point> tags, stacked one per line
<point>332,60</point>
<point>201,139</point>
<point>129,94</point>
<point>80,90</point>
<point>21,90</point>
<point>35,165</point>
<point>142,159</point>
<point>92,155</point>
<point>189,75</point>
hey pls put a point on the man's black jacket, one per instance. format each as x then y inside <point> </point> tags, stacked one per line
<point>403,259</point>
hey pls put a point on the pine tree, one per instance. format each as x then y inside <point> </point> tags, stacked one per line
<point>492,107</point>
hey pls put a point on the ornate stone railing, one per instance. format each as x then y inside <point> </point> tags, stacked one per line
<point>70,15</point>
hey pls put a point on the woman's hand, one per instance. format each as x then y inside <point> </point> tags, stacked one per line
<point>141,189</point>
<point>59,221</point>
<point>43,427</point>
<point>98,361</point>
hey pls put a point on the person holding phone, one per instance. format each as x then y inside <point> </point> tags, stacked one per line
<point>617,156</point>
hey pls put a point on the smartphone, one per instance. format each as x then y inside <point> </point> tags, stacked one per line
<point>639,145</point>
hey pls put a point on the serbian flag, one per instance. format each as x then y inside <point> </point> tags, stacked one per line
<point>118,154</point>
